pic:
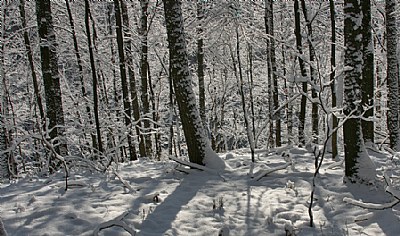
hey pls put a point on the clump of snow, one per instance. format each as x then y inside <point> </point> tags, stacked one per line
<point>213,161</point>
<point>229,156</point>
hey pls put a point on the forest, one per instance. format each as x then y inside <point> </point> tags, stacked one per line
<point>179,117</point>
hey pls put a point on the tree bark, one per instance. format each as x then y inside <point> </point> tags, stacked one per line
<point>368,79</point>
<point>29,54</point>
<point>132,79</point>
<point>302,115</point>
<point>51,78</point>
<point>313,79</point>
<point>332,77</point>
<point>144,76</point>
<point>392,76</point>
<point>353,139</point>
<point>200,61</point>
<point>125,94</point>
<point>80,75</point>
<point>272,73</point>
<point>189,114</point>
<point>94,79</point>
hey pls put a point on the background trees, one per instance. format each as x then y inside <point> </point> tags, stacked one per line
<point>276,82</point>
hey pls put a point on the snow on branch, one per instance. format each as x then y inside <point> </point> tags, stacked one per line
<point>373,206</point>
<point>263,173</point>
<point>196,166</point>
<point>125,183</point>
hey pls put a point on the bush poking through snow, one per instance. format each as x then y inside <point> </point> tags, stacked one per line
<point>218,204</point>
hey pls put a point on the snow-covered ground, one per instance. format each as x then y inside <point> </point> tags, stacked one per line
<point>165,201</point>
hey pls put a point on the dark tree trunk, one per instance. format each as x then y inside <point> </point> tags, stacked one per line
<point>132,79</point>
<point>51,79</point>
<point>4,144</point>
<point>94,78</point>
<point>200,61</point>
<point>368,81</point>
<point>313,79</point>
<point>144,76</point>
<point>392,76</point>
<point>31,61</point>
<point>353,140</point>
<point>302,115</point>
<point>239,77</point>
<point>80,75</point>
<point>272,74</point>
<point>332,77</point>
<point>190,117</point>
<point>125,94</point>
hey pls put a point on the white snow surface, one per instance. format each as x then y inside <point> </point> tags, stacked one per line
<point>169,202</point>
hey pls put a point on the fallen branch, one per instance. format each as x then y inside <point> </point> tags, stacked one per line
<point>382,206</point>
<point>115,222</point>
<point>125,183</point>
<point>196,166</point>
<point>372,206</point>
<point>264,173</point>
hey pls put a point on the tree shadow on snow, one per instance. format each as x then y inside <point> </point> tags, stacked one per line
<point>161,219</point>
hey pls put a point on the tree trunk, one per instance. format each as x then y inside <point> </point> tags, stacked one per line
<point>392,76</point>
<point>200,61</point>
<point>125,94</point>
<point>239,77</point>
<point>190,117</point>
<point>94,79</point>
<point>302,115</point>
<point>313,79</point>
<point>272,76</point>
<point>144,76</point>
<point>368,81</point>
<point>332,77</point>
<point>357,162</point>
<point>80,75</point>
<point>51,78</point>
<point>4,144</point>
<point>31,61</point>
<point>132,79</point>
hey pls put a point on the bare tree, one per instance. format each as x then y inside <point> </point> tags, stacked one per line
<point>272,74</point>
<point>132,79</point>
<point>354,149</point>
<point>179,69</point>
<point>392,76</point>
<point>144,4</point>
<point>368,81</point>
<point>302,115</point>
<point>122,68</point>
<point>50,74</point>
<point>332,77</point>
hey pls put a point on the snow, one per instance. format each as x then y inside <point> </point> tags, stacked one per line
<point>161,200</point>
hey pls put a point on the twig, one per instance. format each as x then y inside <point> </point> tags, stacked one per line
<point>115,222</point>
<point>125,183</point>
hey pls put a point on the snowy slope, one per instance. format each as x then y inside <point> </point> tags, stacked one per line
<point>165,201</point>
